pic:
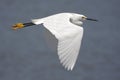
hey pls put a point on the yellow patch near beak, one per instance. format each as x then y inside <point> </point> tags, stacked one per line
<point>84,17</point>
<point>17,26</point>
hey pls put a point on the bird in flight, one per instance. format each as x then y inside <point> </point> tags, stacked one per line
<point>68,30</point>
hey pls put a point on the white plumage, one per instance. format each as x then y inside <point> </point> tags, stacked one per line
<point>66,27</point>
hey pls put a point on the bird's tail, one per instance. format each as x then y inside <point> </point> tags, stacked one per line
<point>37,21</point>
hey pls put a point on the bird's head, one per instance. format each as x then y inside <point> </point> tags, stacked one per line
<point>82,17</point>
<point>78,19</point>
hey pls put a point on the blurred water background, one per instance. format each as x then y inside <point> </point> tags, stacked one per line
<point>30,53</point>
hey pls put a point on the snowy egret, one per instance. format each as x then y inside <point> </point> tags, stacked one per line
<point>66,27</point>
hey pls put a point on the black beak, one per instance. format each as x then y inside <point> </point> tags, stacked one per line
<point>91,19</point>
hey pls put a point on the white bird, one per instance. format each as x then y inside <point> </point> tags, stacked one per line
<point>68,30</point>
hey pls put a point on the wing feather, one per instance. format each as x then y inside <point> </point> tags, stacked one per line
<point>69,38</point>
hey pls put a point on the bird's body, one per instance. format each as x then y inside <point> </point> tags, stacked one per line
<point>66,27</point>
<point>58,24</point>
<point>68,34</point>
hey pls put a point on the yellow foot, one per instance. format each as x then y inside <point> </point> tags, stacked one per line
<point>18,26</point>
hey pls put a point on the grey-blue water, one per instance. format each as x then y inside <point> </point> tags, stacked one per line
<point>30,53</point>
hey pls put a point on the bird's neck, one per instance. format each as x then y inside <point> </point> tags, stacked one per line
<point>76,21</point>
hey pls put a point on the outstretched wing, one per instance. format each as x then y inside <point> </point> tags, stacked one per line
<point>69,38</point>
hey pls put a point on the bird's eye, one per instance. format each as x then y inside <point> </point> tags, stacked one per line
<point>83,17</point>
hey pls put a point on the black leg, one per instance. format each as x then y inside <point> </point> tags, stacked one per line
<point>28,24</point>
